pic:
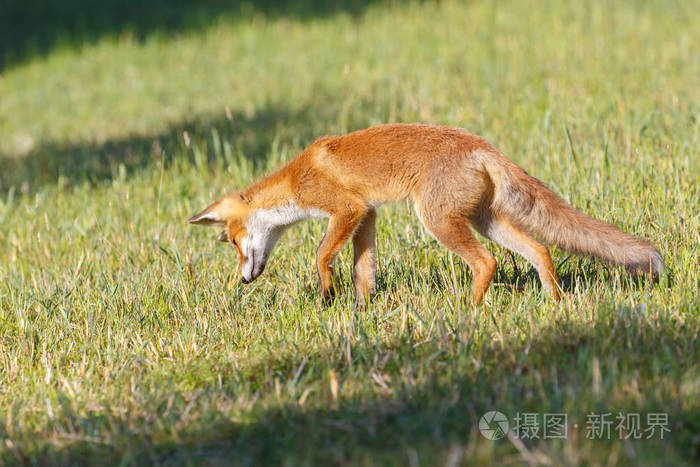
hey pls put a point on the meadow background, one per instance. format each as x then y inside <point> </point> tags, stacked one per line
<point>126,336</point>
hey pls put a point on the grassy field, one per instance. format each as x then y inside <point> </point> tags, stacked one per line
<point>126,336</point>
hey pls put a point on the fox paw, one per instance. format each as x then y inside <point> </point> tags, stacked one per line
<point>327,296</point>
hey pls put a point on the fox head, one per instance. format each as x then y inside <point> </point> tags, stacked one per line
<point>246,228</point>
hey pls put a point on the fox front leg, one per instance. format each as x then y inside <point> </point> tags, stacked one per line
<point>340,227</point>
<point>364,247</point>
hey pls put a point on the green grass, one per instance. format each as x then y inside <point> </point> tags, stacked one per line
<point>125,335</point>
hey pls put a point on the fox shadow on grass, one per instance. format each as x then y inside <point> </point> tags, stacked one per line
<point>515,276</point>
<point>412,420</point>
<point>34,27</point>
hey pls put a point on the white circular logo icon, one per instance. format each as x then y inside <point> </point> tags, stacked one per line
<point>493,425</point>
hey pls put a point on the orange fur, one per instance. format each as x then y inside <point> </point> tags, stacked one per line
<point>455,179</point>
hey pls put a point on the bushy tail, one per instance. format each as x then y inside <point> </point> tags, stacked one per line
<point>527,202</point>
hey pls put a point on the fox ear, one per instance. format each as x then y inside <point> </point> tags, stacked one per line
<point>207,217</point>
<point>219,212</point>
<point>214,214</point>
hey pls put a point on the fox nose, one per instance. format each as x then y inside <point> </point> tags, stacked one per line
<point>245,281</point>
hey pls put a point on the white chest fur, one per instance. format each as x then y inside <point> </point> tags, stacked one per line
<point>265,226</point>
<point>283,216</point>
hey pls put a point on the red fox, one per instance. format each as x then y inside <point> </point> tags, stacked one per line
<point>455,179</point>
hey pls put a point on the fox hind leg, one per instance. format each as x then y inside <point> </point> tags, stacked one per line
<point>508,235</point>
<point>455,234</point>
